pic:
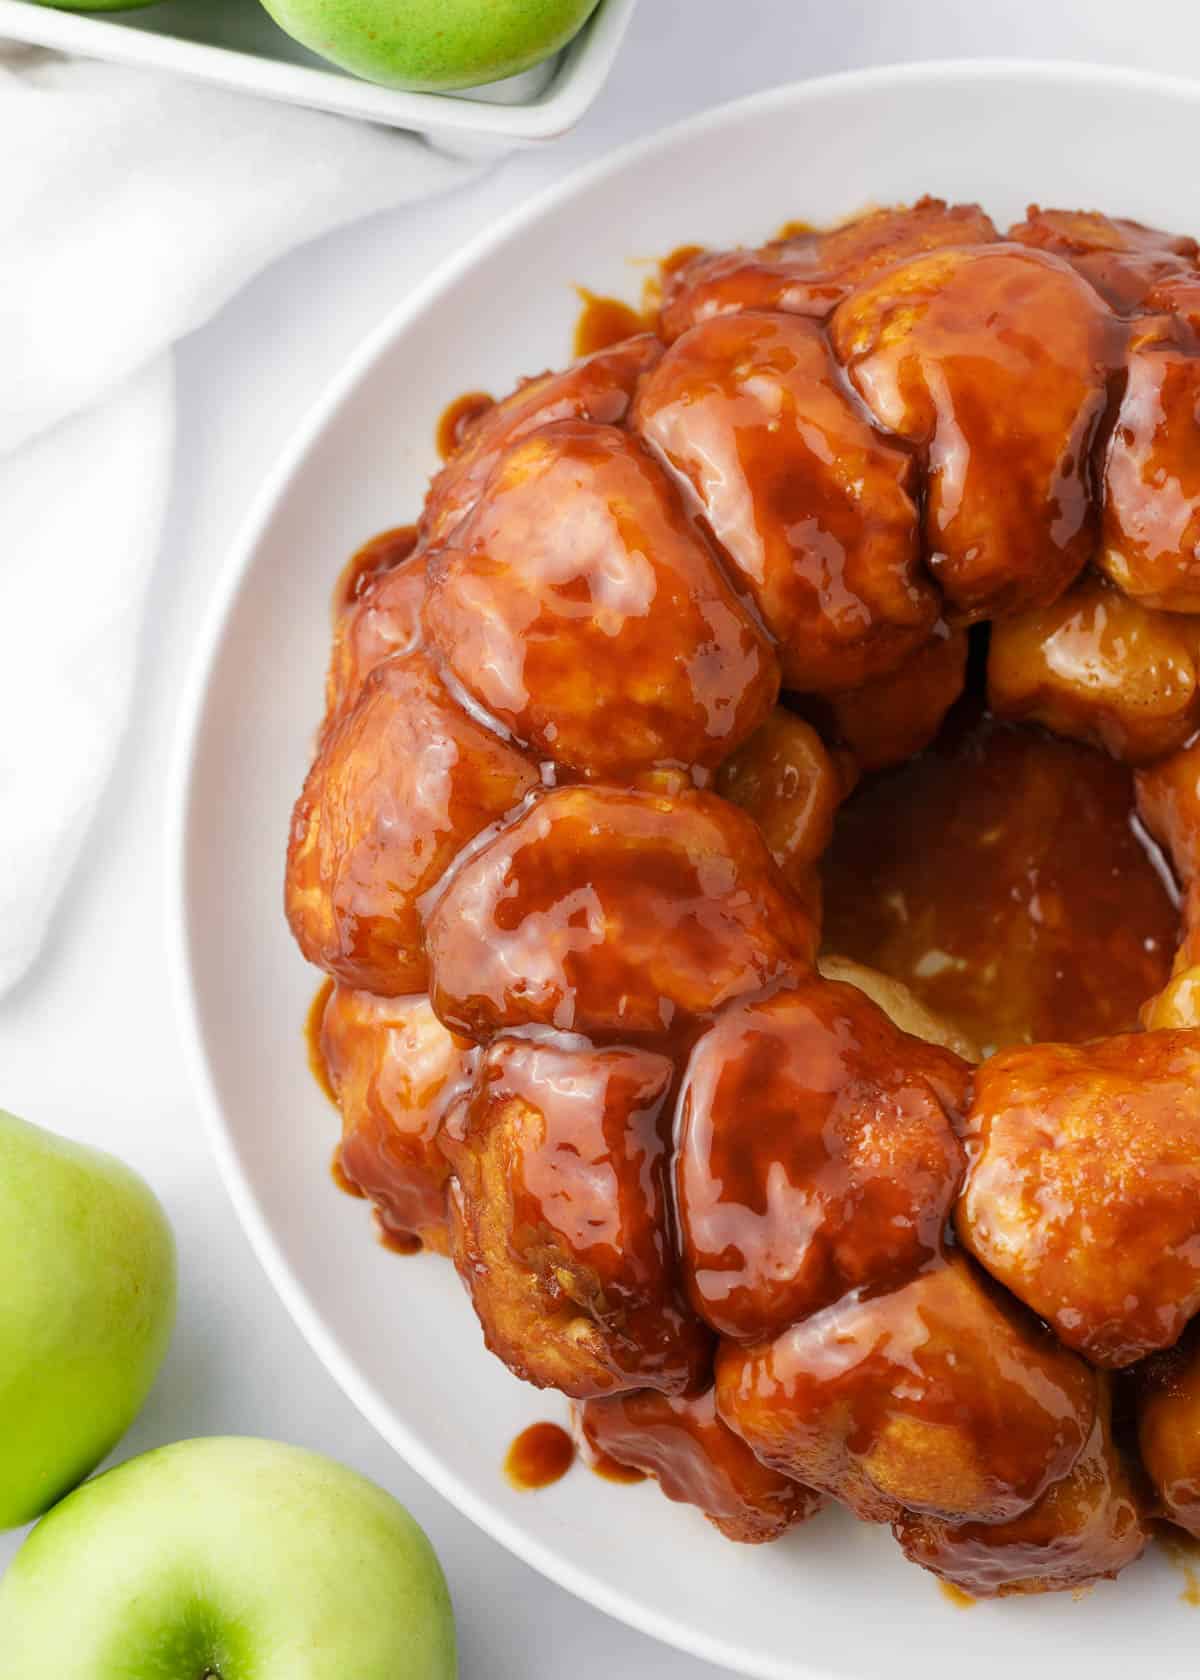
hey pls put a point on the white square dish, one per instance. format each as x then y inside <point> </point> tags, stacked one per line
<point>236,45</point>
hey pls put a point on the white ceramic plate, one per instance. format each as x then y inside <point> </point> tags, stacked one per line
<point>835,1598</point>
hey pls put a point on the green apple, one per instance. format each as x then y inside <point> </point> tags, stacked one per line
<point>226,1559</point>
<point>432,45</point>
<point>87,1301</point>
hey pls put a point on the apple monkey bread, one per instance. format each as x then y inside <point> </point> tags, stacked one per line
<point>755,842</point>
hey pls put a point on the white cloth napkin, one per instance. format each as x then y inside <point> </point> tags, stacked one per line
<point>132,206</point>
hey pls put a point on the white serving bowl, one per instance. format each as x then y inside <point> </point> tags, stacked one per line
<point>235,44</point>
<point>834,1599</point>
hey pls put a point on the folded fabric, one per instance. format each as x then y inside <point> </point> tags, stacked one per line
<point>132,206</point>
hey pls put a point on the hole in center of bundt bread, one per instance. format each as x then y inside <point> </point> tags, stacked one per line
<point>1003,875</point>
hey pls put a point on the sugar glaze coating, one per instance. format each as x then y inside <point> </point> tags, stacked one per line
<point>634,743</point>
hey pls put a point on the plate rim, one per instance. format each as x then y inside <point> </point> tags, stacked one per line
<point>538,1554</point>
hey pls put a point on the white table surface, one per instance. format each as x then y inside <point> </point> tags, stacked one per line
<point>88,1044</point>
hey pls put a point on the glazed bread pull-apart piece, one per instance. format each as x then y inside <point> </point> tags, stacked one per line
<point>1178,298</point>
<point>863,246</point>
<point>1168,802</point>
<point>399,786</point>
<point>1083,1193</point>
<point>1085,1528</point>
<point>1168,1425</point>
<point>1096,666</point>
<point>560,1219</point>
<point>816,1155</point>
<point>791,784</point>
<point>894,717</point>
<point>900,1004</point>
<point>697,1460</point>
<point>1150,539</point>
<point>1178,1003</point>
<point>1125,261</point>
<point>396,1072</point>
<point>381,620</point>
<point>812,505</point>
<point>785,277</point>
<point>606,910</point>
<point>809,272</point>
<point>994,361</point>
<point>599,387</point>
<point>938,1396</point>
<point>583,608</point>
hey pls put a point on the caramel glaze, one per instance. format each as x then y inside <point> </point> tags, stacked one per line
<point>504,612</point>
<point>612,1470</point>
<point>560,1212</point>
<point>539,1456</point>
<point>813,507</point>
<point>794,229</point>
<point>1150,537</point>
<point>627,965</point>
<point>396,1242</point>
<point>938,1396</point>
<point>816,1155</point>
<point>935,349</point>
<point>808,273</point>
<point>1125,261</point>
<point>457,419</point>
<point>401,782</point>
<point>659,280</point>
<point>318,1066</point>
<point>599,388</point>
<point>594,912</point>
<point>1085,1527</point>
<point>605,321</point>
<point>1168,801</point>
<point>382,621</point>
<point>791,784</point>
<point>1001,877</point>
<point>1097,666</point>
<point>341,1178</point>
<point>697,1460</point>
<point>955,1596</point>
<point>379,554</point>
<point>396,1072</point>
<point>890,719</point>
<point>1168,1427</point>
